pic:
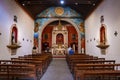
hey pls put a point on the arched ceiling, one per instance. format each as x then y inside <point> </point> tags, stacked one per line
<point>34,7</point>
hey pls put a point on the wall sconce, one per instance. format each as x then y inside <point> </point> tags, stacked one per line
<point>0,33</point>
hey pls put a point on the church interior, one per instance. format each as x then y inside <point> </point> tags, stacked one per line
<point>36,37</point>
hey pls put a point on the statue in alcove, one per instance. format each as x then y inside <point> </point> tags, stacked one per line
<point>82,34</point>
<point>102,35</point>
<point>14,36</point>
<point>103,40</point>
<point>14,44</point>
<point>36,27</point>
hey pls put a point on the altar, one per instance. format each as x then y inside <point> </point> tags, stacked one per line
<point>59,40</point>
<point>60,51</point>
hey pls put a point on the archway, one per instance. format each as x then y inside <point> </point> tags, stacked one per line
<point>67,20</point>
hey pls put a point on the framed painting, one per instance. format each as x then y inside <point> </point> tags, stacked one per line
<point>45,36</point>
<point>73,36</point>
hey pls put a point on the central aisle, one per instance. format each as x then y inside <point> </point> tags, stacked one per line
<point>57,70</point>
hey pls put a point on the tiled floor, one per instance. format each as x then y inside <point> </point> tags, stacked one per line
<point>57,70</point>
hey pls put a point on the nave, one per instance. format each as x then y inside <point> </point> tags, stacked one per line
<point>45,67</point>
<point>57,70</point>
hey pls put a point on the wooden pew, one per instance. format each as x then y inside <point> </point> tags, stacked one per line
<point>38,65</point>
<point>83,70</point>
<point>41,62</point>
<point>74,62</point>
<point>80,57</point>
<point>17,71</point>
<point>44,58</point>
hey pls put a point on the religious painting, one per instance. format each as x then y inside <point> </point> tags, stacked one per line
<point>59,39</point>
<point>73,36</point>
<point>14,34</point>
<point>36,39</point>
<point>45,37</point>
<point>81,27</point>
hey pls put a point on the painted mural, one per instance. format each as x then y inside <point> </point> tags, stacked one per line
<point>82,33</point>
<point>59,12</point>
<point>36,35</point>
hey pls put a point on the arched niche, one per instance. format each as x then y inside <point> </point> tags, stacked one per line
<point>14,35</point>
<point>103,39</point>
<point>13,44</point>
<point>59,38</point>
<point>51,12</point>
<point>67,20</point>
<point>102,35</point>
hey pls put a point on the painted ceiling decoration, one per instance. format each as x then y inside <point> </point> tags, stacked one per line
<point>83,7</point>
<point>58,12</point>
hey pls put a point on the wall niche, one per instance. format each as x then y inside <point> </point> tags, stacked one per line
<point>103,39</point>
<point>13,42</point>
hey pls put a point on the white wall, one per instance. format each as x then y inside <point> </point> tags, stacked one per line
<point>111,11</point>
<point>25,25</point>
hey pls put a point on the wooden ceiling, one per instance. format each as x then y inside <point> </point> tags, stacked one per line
<point>34,7</point>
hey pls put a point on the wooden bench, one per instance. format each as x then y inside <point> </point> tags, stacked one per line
<point>71,58</point>
<point>44,58</point>
<point>17,71</point>
<point>100,75</point>
<point>44,61</point>
<point>81,71</point>
<point>74,62</point>
<point>47,58</point>
<point>41,62</point>
<point>38,65</point>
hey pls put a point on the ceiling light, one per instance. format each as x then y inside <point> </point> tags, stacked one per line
<point>93,4</point>
<point>62,2</point>
<point>76,3</point>
<point>23,4</point>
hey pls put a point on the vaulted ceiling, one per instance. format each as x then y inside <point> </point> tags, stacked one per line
<point>34,7</point>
